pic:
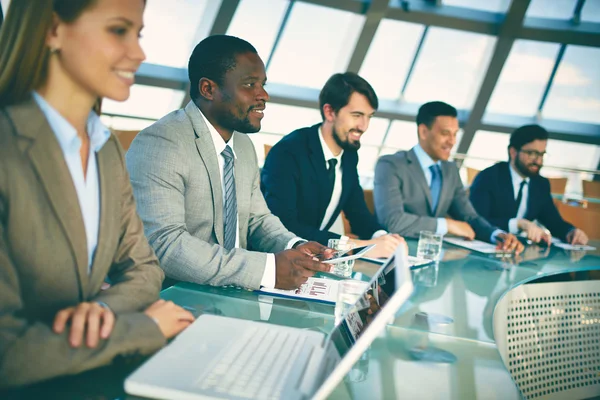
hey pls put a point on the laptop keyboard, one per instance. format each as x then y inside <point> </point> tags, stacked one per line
<point>256,364</point>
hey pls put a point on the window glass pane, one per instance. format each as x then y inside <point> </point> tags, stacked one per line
<point>260,140</point>
<point>390,56</point>
<point>523,78</point>
<point>591,11</point>
<point>126,124</point>
<point>575,91</point>
<point>450,67</point>
<point>173,28</point>
<point>487,148</point>
<point>558,9</point>
<point>402,135</point>
<point>282,119</point>
<point>266,19</point>
<point>376,132</point>
<point>571,155</point>
<point>367,157</point>
<point>146,102</point>
<point>487,5</point>
<point>316,43</point>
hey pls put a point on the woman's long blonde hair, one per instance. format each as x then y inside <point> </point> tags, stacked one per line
<point>24,54</point>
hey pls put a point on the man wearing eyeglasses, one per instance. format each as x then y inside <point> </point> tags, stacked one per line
<point>513,196</point>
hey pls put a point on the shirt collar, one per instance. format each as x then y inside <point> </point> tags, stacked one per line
<point>516,178</point>
<point>66,134</point>
<point>217,139</point>
<point>326,151</point>
<point>424,159</point>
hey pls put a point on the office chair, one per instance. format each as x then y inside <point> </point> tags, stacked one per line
<point>548,335</point>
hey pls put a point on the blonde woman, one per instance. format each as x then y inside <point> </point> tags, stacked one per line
<point>67,214</point>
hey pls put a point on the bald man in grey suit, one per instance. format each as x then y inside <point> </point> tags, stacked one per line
<point>196,181</point>
<point>420,190</point>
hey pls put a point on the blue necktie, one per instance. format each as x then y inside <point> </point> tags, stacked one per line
<point>230,206</point>
<point>436,185</point>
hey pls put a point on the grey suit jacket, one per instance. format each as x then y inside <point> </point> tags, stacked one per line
<point>403,199</point>
<point>177,185</point>
<point>43,255</point>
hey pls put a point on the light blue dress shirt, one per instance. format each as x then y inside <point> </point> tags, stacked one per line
<point>426,162</point>
<point>88,188</point>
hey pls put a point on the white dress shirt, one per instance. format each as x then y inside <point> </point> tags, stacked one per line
<point>268,278</point>
<point>336,194</point>
<point>426,162</point>
<point>516,182</point>
<point>88,186</point>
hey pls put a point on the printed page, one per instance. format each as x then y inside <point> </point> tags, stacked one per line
<point>314,289</point>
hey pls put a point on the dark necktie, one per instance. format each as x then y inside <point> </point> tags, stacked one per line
<point>520,195</point>
<point>230,205</point>
<point>436,185</point>
<point>331,173</point>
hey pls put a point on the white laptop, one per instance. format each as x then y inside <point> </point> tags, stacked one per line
<point>227,358</point>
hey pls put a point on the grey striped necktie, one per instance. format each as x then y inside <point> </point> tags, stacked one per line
<point>230,206</point>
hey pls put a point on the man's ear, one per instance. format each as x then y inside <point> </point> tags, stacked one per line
<point>207,88</point>
<point>422,131</point>
<point>53,35</point>
<point>328,112</point>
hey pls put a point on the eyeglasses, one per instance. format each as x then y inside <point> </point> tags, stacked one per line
<point>533,154</point>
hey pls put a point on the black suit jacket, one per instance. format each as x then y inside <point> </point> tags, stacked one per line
<point>493,196</point>
<point>294,183</point>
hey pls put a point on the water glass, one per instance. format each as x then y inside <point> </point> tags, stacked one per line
<point>430,245</point>
<point>349,291</point>
<point>343,268</point>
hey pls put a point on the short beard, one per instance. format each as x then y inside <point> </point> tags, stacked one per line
<point>345,145</point>
<point>522,168</point>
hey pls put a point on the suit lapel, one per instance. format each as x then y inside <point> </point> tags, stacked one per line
<point>415,168</point>
<point>317,160</point>
<point>48,161</point>
<point>109,206</point>
<point>207,152</point>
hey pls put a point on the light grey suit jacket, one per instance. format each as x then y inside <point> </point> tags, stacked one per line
<point>177,185</point>
<point>403,199</point>
<point>44,259</point>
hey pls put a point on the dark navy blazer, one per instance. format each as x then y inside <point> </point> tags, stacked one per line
<point>493,196</point>
<point>294,183</point>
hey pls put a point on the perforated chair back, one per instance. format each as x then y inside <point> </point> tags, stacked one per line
<point>548,335</point>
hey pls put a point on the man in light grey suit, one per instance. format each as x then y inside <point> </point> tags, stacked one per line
<point>420,190</point>
<point>196,180</point>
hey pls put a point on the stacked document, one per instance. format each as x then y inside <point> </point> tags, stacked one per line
<point>475,245</point>
<point>566,246</point>
<point>318,289</point>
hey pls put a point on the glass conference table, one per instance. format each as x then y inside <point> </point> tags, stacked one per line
<point>440,345</point>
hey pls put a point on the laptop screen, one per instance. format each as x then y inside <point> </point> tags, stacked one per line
<point>381,288</point>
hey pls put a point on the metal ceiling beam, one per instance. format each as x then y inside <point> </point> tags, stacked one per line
<point>560,130</point>
<point>514,19</point>
<point>284,21</point>
<point>353,6</point>
<point>560,31</point>
<point>376,12</point>
<point>420,12</point>
<point>559,57</point>
<point>176,78</point>
<point>219,27</point>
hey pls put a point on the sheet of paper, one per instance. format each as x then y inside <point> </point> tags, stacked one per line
<point>315,288</point>
<point>567,246</point>
<point>412,261</point>
<point>475,245</point>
